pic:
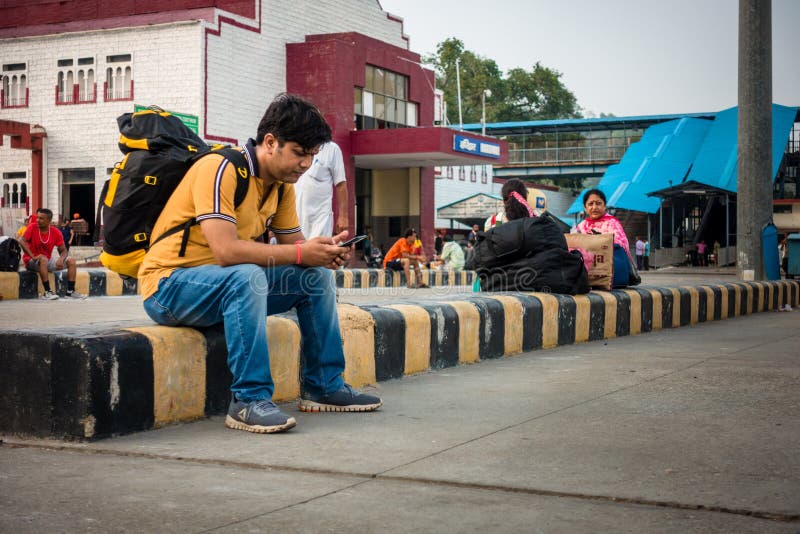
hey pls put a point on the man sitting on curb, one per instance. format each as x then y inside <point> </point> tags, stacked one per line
<point>452,257</point>
<point>37,243</point>
<point>227,276</point>
<point>401,257</point>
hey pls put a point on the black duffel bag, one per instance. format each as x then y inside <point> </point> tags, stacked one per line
<point>514,240</point>
<point>554,270</point>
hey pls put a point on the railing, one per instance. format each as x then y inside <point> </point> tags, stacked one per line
<point>15,101</point>
<point>560,155</point>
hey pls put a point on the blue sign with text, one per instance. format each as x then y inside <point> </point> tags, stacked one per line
<point>462,143</point>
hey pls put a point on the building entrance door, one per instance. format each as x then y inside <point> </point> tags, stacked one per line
<point>77,196</point>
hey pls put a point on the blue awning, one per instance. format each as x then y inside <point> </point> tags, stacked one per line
<point>715,164</point>
<point>661,158</point>
<point>682,151</point>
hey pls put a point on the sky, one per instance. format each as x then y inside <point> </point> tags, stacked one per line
<point>626,57</point>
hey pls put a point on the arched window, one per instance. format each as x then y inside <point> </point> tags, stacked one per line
<point>14,85</point>
<point>119,77</point>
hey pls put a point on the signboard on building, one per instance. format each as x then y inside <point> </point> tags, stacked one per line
<point>477,206</point>
<point>191,121</point>
<point>462,143</point>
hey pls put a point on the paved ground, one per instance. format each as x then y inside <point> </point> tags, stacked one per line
<point>687,430</point>
<point>111,311</point>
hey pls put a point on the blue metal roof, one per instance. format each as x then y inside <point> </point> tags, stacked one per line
<point>662,157</point>
<point>686,150</point>
<point>715,164</point>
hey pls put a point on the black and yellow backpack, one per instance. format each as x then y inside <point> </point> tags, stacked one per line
<point>158,149</point>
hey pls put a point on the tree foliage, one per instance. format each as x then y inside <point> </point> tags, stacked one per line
<point>522,95</point>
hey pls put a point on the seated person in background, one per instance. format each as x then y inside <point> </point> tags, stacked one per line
<point>452,256</point>
<point>438,242</point>
<point>80,228</point>
<point>523,202</point>
<point>515,200</point>
<point>38,243</point>
<point>598,221</point>
<point>401,257</point>
<point>420,253</point>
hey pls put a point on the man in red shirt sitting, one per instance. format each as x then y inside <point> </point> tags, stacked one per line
<point>37,245</point>
<point>401,257</point>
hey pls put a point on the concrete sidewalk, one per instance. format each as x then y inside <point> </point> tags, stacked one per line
<point>682,430</point>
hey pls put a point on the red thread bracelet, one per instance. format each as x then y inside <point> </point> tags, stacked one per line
<point>299,258</point>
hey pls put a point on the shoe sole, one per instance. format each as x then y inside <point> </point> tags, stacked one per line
<point>311,406</point>
<point>230,422</point>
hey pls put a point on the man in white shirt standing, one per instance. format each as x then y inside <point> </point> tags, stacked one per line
<point>314,194</point>
<point>639,254</point>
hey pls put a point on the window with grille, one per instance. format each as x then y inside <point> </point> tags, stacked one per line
<point>14,87</point>
<point>14,190</point>
<point>119,77</point>
<point>75,81</point>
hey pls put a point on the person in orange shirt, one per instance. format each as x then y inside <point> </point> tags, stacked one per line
<point>401,257</point>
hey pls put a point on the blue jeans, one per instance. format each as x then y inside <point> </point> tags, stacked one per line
<point>241,297</point>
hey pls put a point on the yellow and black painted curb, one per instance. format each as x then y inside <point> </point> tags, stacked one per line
<point>101,283</point>
<point>89,385</point>
<point>95,283</point>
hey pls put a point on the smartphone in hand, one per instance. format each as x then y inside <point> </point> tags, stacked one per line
<point>352,241</point>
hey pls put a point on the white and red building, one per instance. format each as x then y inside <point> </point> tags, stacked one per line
<point>70,68</point>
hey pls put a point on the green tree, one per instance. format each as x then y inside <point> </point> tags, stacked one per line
<point>477,74</point>
<point>537,94</point>
<point>521,96</point>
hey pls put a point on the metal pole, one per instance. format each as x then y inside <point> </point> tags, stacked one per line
<point>458,86</point>
<point>754,203</point>
<point>483,112</point>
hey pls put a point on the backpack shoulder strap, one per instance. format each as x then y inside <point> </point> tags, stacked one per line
<point>242,184</point>
<point>242,172</point>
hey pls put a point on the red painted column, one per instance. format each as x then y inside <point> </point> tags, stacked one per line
<point>37,173</point>
<point>427,210</point>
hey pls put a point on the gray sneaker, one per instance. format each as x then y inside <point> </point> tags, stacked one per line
<point>49,295</point>
<point>75,295</point>
<point>260,416</point>
<point>345,400</point>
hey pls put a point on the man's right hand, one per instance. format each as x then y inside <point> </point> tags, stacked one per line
<point>322,252</point>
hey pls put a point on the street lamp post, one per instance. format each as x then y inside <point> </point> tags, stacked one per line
<point>484,94</point>
<point>458,88</point>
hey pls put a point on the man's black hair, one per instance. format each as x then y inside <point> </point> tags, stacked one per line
<point>409,232</point>
<point>591,192</point>
<point>292,119</point>
<point>46,212</point>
